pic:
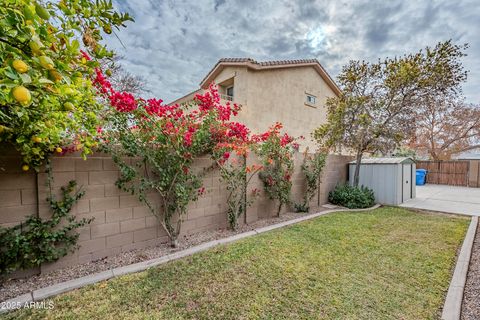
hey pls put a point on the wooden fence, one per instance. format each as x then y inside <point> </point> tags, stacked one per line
<point>453,173</point>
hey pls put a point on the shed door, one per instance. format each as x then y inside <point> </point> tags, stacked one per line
<point>406,181</point>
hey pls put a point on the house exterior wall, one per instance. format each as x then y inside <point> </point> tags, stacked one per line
<point>277,95</point>
<point>121,222</point>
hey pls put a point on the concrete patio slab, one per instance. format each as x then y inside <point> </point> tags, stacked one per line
<point>461,200</point>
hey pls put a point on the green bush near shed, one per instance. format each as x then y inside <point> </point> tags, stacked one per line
<point>352,197</point>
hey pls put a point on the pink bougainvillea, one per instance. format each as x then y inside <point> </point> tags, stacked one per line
<point>168,138</point>
<point>123,101</point>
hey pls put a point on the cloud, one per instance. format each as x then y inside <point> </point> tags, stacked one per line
<point>173,44</point>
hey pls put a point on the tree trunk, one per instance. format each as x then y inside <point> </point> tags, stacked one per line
<point>174,242</point>
<point>356,176</point>
<point>279,209</point>
<point>319,181</point>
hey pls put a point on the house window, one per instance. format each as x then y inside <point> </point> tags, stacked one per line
<point>310,99</point>
<point>229,92</point>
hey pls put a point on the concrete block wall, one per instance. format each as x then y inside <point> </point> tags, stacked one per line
<point>335,172</point>
<point>18,190</point>
<point>121,223</point>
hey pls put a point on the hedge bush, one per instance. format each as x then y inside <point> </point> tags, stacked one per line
<point>352,197</point>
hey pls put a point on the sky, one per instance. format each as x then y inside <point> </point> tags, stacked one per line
<point>173,44</point>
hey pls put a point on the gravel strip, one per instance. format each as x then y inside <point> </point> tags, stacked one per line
<point>471,296</point>
<point>15,287</point>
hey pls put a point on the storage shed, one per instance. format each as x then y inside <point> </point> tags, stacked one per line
<point>392,179</point>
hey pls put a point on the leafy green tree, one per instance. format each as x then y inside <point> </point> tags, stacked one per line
<point>377,106</point>
<point>47,99</point>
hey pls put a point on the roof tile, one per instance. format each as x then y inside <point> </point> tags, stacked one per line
<point>271,63</point>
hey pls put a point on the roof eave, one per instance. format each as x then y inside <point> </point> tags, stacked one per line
<point>222,64</point>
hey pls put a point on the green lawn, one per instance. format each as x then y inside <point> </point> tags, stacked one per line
<point>388,263</point>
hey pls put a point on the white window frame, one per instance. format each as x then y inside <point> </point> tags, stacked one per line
<point>308,97</point>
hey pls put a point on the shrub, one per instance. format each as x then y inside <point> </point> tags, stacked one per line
<point>276,153</point>
<point>352,197</point>
<point>155,146</point>
<point>234,171</point>
<point>38,240</point>
<point>312,168</point>
<point>237,175</point>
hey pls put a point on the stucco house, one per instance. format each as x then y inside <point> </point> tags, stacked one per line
<point>292,92</point>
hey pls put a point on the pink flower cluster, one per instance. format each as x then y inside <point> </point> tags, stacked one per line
<point>155,107</point>
<point>102,84</point>
<point>85,55</point>
<point>209,100</point>
<point>286,139</point>
<point>123,101</point>
<point>273,130</point>
<point>238,130</point>
<point>188,136</point>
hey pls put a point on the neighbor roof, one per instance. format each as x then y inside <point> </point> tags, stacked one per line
<point>385,160</point>
<point>469,156</point>
<point>266,65</point>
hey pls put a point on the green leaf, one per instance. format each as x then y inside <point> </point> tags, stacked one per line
<point>25,78</point>
<point>11,75</point>
<point>45,80</point>
<point>75,45</point>
<point>8,84</point>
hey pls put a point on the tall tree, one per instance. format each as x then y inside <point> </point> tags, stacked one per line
<point>446,126</point>
<point>376,109</point>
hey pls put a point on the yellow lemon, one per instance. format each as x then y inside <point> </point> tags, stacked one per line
<point>22,95</point>
<point>46,62</point>
<point>25,167</point>
<point>55,75</point>
<point>58,150</point>
<point>36,139</point>
<point>20,66</point>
